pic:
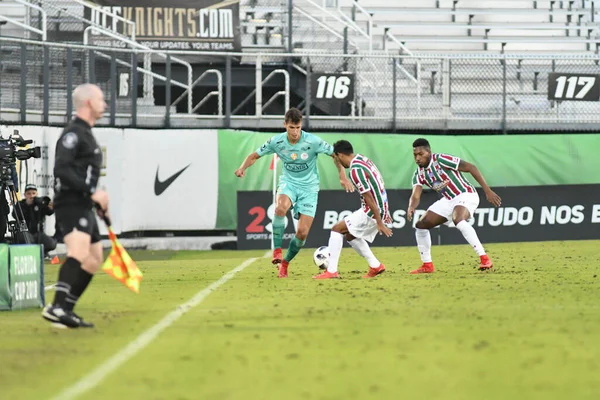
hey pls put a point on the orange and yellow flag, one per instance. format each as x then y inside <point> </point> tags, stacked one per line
<point>121,266</point>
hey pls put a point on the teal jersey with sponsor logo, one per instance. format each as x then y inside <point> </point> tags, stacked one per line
<point>299,160</point>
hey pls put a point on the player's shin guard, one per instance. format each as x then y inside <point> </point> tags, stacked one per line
<point>67,278</point>
<point>362,248</point>
<point>424,244</point>
<point>336,242</point>
<point>278,228</point>
<point>471,236</point>
<point>295,246</point>
<point>83,280</point>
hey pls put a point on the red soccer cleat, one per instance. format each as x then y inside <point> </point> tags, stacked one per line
<point>277,258</point>
<point>486,263</point>
<point>426,268</point>
<point>283,269</point>
<point>327,275</point>
<point>373,272</point>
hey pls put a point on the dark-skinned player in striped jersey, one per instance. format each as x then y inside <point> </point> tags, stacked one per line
<point>444,174</point>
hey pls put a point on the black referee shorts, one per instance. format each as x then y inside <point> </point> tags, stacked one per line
<point>83,219</point>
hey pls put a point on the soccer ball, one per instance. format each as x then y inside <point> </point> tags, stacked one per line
<point>321,257</point>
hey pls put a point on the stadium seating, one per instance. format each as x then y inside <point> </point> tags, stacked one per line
<point>426,30</point>
<point>439,28</point>
<point>262,24</point>
<point>508,25</point>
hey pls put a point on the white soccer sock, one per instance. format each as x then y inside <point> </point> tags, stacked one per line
<point>424,244</point>
<point>469,233</point>
<point>336,242</point>
<point>362,248</point>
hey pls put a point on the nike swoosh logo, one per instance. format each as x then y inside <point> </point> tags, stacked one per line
<point>160,187</point>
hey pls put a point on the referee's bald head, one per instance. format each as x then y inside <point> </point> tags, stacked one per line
<point>83,93</point>
<point>88,100</point>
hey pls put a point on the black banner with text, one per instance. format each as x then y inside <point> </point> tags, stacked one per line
<point>530,213</point>
<point>204,25</point>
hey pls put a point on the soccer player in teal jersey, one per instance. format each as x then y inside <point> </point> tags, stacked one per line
<point>299,183</point>
<point>443,173</point>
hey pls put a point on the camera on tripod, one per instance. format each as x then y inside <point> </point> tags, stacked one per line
<point>9,154</point>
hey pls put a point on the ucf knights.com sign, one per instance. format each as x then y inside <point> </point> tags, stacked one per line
<point>528,213</point>
<point>21,277</point>
<point>206,25</point>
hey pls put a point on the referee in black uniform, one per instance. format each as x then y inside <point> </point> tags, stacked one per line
<point>76,172</point>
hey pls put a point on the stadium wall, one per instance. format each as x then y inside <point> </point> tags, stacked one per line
<point>505,161</point>
<point>203,195</point>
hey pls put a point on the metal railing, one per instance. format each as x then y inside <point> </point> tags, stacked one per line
<point>339,18</point>
<point>502,92</point>
<point>361,9</point>
<point>218,92</point>
<point>326,27</point>
<point>257,93</point>
<point>146,70</point>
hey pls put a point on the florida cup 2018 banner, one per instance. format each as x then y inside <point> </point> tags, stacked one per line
<point>208,25</point>
<point>529,213</point>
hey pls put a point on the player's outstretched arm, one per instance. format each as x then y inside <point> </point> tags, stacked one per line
<point>344,181</point>
<point>249,161</point>
<point>491,196</point>
<point>415,199</point>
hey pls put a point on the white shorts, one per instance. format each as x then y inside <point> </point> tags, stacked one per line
<point>445,207</point>
<point>362,226</point>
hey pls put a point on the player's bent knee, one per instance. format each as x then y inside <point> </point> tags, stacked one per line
<point>422,225</point>
<point>302,234</point>
<point>340,227</point>
<point>280,211</point>
<point>92,263</point>
<point>458,220</point>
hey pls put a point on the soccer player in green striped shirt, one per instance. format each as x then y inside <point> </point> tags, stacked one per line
<point>443,173</point>
<point>364,224</point>
<point>299,183</point>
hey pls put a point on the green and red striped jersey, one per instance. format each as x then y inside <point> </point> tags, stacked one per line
<point>367,178</point>
<point>443,167</point>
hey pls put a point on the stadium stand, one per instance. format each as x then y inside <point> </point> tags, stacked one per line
<point>467,25</point>
<point>448,28</point>
<point>443,67</point>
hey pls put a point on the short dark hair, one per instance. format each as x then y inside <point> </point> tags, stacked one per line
<point>421,142</point>
<point>293,115</point>
<point>343,147</point>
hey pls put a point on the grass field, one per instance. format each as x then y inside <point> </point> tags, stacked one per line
<point>528,330</point>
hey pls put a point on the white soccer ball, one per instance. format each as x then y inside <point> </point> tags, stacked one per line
<point>321,257</point>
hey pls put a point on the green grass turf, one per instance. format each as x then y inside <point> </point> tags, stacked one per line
<point>528,330</point>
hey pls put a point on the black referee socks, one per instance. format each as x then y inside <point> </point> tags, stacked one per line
<point>83,280</point>
<point>67,279</point>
